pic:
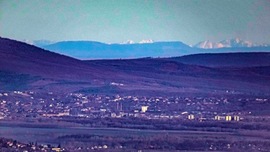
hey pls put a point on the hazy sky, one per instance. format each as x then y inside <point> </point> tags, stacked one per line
<point>189,21</point>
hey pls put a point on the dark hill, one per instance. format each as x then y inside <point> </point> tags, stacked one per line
<point>27,59</point>
<point>27,66</point>
<point>171,74</point>
<point>23,66</point>
<point>248,59</point>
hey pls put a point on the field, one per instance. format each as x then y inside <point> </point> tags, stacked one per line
<point>114,139</point>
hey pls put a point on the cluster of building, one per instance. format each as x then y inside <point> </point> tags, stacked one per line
<point>28,104</point>
<point>13,145</point>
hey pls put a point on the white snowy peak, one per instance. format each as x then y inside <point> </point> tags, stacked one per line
<point>146,41</point>
<point>140,42</point>
<point>128,42</point>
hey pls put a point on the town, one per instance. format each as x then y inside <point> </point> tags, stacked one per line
<point>180,116</point>
<point>27,104</point>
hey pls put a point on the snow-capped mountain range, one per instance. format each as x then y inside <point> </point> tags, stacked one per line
<point>229,43</point>
<point>232,43</point>
<point>140,42</point>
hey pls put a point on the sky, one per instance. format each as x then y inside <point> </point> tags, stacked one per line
<point>115,21</point>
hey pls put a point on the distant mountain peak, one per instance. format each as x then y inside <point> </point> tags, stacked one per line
<point>146,41</point>
<point>229,43</point>
<point>128,42</point>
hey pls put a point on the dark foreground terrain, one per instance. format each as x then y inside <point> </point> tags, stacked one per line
<point>204,136</point>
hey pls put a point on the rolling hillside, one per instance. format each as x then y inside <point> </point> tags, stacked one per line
<point>246,59</point>
<point>23,66</point>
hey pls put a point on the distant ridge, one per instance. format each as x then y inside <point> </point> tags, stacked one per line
<point>86,50</point>
<point>97,50</point>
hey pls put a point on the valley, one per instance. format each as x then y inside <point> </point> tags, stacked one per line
<point>219,100</point>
